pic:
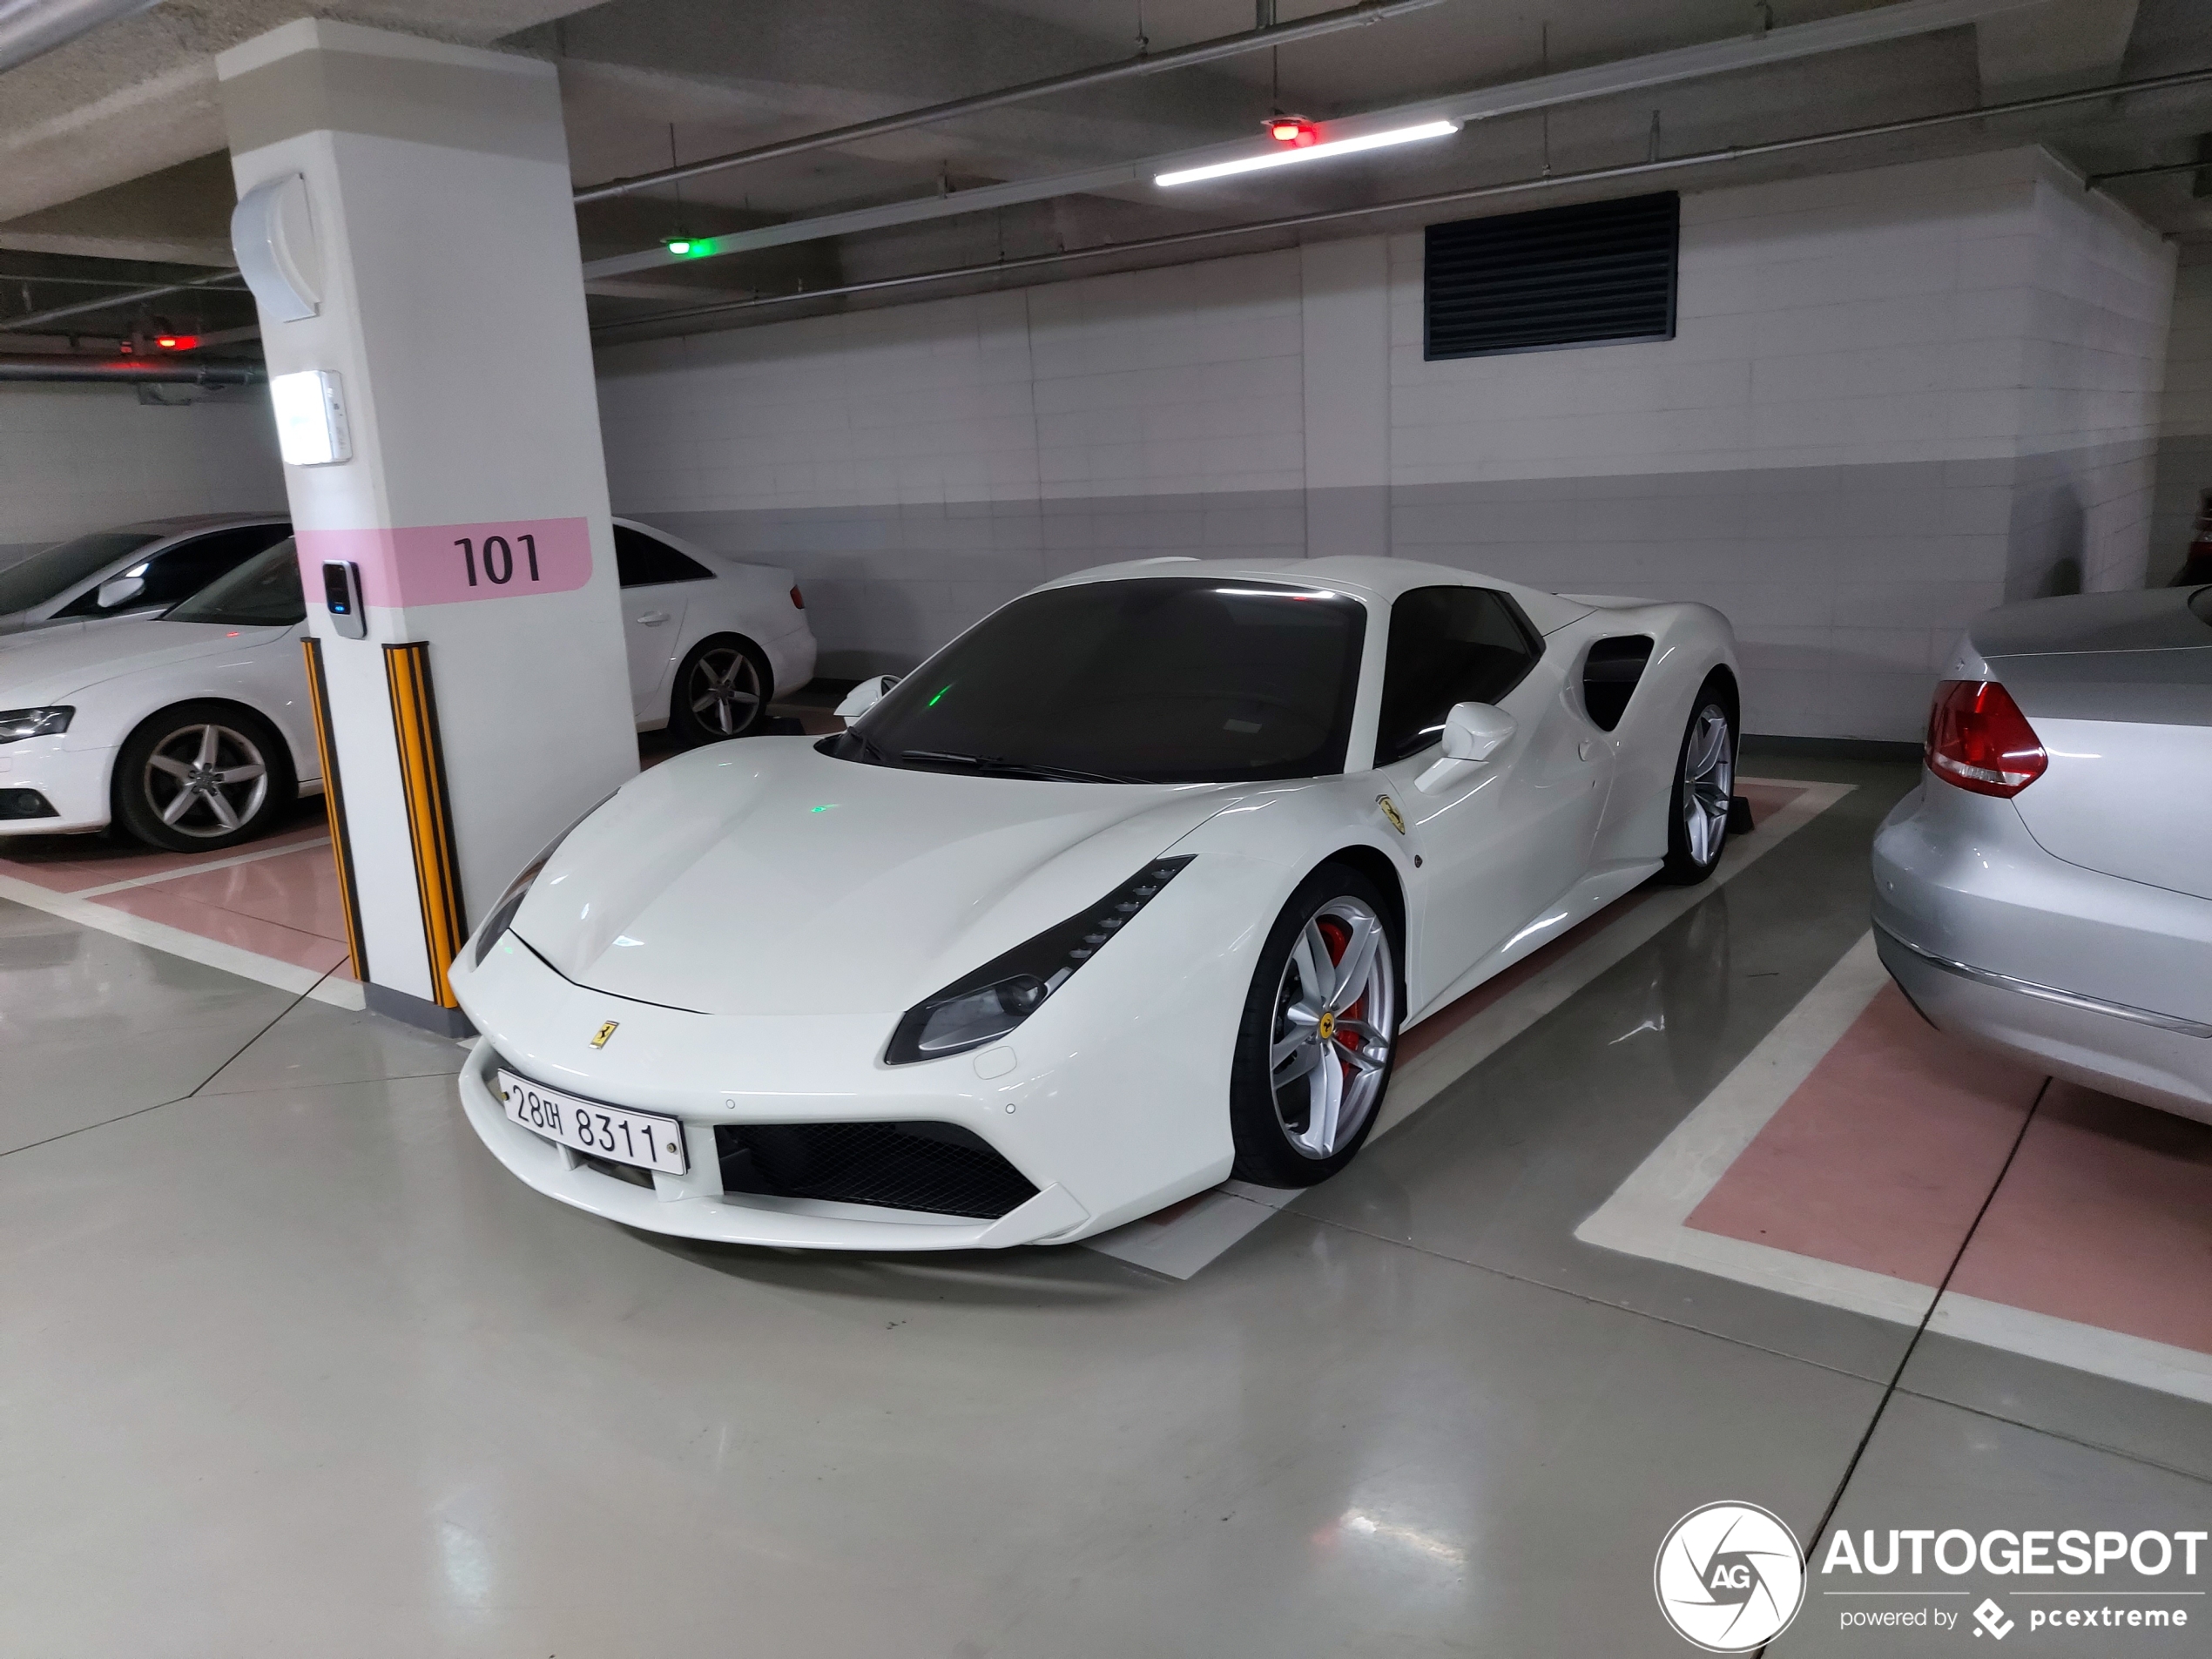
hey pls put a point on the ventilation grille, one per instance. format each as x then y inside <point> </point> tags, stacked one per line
<point>1610,674</point>
<point>940,1168</point>
<point>1560,276</point>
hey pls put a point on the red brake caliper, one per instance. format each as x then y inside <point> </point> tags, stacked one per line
<point>1338,937</point>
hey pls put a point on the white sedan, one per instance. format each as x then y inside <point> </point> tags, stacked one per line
<point>193,730</point>
<point>1133,886</point>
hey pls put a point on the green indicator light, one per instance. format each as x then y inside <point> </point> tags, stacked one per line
<point>831,807</point>
<point>941,695</point>
<point>680,246</point>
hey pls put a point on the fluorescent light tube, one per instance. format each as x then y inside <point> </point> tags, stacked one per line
<point>1287,156</point>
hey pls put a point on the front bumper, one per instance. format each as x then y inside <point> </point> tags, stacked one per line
<point>1093,1127</point>
<point>694,1206</point>
<point>74,782</point>
<point>2100,980</point>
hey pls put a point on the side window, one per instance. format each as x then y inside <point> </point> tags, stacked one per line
<point>1447,645</point>
<point>176,573</point>
<point>1609,677</point>
<point>642,561</point>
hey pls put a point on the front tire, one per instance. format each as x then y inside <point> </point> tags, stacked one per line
<point>1319,1032</point>
<point>1705,783</point>
<point>722,686</point>
<point>202,776</point>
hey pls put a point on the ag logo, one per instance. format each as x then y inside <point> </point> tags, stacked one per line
<point>1730,1577</point>
<point>605,1031</point>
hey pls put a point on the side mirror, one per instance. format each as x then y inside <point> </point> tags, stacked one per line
<point>120,591</point>
<point>1473,732</point>
<point>864,697</point>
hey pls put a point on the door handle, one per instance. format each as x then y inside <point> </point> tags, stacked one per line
<point>654,619</point>
<point>1585,749</point>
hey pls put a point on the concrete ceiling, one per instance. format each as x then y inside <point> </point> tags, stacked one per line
<point>110,148</point>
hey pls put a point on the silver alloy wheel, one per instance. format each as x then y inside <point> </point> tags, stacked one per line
<point>1708,780</point>
<point>206,780</point>
<point>724,691</point>
<point>1336,1018</point>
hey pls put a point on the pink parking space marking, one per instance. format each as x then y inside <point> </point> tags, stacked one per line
<point>286,907</point>
<point>1765,799</point>
<point>2104,1218</point>
<point>1881,1158</point>
<point>70,864</point>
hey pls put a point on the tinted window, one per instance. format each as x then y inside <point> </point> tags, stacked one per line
<point>264,592</point>
<point>642,561</point>
<point>1447,645</point>
<point>1157,680</point>
<point>180,571</point>
<point>61,567</point>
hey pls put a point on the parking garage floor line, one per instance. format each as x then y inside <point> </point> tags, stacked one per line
<point>1854,1155</point>
<point>1186,1237</point>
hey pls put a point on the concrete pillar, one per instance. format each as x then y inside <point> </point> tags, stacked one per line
<point>426,261</point>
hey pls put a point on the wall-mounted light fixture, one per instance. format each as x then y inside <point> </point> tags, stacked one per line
<point>1292,151</point>
<point>310,419</point>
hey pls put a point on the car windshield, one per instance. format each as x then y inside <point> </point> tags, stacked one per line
<point>1160,679</point>
<point>54,570</point>
<point>264,592</point>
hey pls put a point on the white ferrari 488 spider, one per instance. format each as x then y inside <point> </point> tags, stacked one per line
<point>1134,886</point>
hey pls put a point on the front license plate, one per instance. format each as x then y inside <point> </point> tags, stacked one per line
<point>604,1131</point>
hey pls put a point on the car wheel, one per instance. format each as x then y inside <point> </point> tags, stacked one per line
<point>202,776</point>
<point>1318,1034</point>
<point>1704,782</point>
<point>722,690</point>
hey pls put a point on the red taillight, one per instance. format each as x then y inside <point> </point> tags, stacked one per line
<point>798,599</point>
<point>1978,739</point>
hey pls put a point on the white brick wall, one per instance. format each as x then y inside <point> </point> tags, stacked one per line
<point>76,458</point>
<point>1895,398</point>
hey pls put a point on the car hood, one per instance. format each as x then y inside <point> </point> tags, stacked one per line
<point>763,877</point>
<point>38,666</point>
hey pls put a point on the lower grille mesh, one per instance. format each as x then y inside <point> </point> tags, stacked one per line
<point>940,1168</point>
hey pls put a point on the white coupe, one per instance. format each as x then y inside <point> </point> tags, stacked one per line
<point>1134,886</point>
<point>194,731</point>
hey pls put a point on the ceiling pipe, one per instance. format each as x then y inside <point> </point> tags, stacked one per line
<point>1895,22</point>
<point>1413,204</point>
<point>1267,34</point>
<point>84,307</point>
<point>29,28</point>
<point>36,365</point>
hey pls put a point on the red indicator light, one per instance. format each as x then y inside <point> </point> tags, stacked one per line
<point>1293,130</point>
<point>177,342</point>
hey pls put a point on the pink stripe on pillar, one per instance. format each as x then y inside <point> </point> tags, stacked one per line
<point>443,564</point>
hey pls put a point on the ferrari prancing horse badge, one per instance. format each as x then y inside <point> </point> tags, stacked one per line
<point>1390,812</point>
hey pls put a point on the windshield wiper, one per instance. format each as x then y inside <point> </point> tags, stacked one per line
<point>1000,766</point>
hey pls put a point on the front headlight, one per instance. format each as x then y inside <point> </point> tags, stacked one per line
<point>16,724</point>
<point>989,1002</point>
<point>503,913</point>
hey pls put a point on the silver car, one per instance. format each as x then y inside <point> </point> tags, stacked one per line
<point>132,570</point>
<point>2047,888</point>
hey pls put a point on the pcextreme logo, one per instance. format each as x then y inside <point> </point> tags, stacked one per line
<point>1730,1577</point>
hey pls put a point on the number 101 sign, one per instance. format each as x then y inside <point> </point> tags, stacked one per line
<point>444,564</point>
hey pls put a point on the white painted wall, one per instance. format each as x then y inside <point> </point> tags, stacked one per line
<point>76,458</point>
<point>2185,414</point>
<point>1895,398</point>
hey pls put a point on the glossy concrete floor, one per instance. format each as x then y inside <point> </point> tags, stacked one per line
<point>289,1365</point>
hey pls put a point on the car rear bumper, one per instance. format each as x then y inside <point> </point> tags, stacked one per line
<point>2098,980</point>
<point>73,781</point>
